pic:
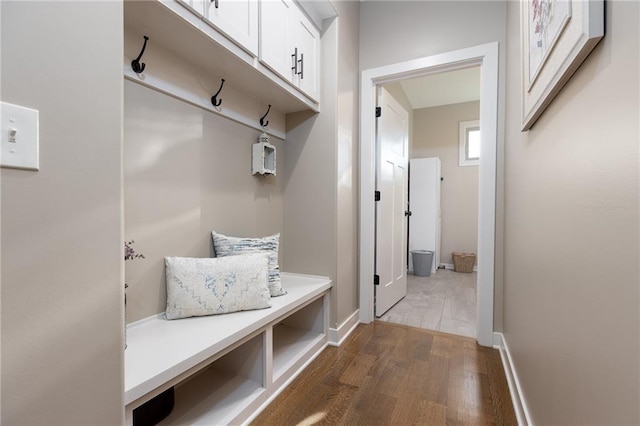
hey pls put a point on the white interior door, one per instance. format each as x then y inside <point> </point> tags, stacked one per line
<point>392,137</point>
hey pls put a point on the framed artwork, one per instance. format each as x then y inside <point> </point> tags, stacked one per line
<point>556,37</point>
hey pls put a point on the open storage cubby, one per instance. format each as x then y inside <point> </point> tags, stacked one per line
<point>295,335</point>
<point>221,392</point>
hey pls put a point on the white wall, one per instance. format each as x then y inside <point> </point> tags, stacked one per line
<point>62,281</point>
<point>572,232</point>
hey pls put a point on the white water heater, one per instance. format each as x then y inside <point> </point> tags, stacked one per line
<point>425,222</point>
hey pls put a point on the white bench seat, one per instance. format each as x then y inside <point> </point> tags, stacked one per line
<point>163,353</point>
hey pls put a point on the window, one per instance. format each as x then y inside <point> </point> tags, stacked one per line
<point>469,143</point>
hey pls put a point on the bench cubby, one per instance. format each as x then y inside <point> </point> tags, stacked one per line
<point>300,332</point>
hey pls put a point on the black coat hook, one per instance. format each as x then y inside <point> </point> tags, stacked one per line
<point>214,99</point>
<point>135,64</point>
<point>264,123</point>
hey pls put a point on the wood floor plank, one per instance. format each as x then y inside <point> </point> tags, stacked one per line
<point>437,376</point>
<point>442,345</point>
<point>392,377</point>
<point>389,374</point>
<point>358,369</point>
<point>369,406</point>
<point>475,360</point>
<point>412,410</point>
<point>501,399</point>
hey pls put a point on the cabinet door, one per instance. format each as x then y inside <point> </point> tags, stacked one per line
<point>236,18</point>
<point>307,39</point>
<point>196,6</point>
<point>275,37</point>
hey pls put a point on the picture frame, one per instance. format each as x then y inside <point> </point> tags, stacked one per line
<point>556,37</point>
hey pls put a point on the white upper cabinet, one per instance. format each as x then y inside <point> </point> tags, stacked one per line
<point>275,25</point>
<point>306,39</point>
<point>290,44</point>
<point>238,19</point>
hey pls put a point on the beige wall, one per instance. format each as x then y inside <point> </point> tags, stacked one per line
<point>62,286</point>
<point>396,31</point>
<point>347,167</point>
<point>571,235</point>
<point>187,172</point>
<point>436,134</point>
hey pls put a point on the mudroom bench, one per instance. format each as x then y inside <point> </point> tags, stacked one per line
<point>226,368</point>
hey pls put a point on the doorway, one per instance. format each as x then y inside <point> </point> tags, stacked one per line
<point>485,56</point>
<point>443,201</point>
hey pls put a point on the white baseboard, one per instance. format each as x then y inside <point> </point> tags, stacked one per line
<point>450,267</point>
<point>338,335</point>
<point>519,403</point>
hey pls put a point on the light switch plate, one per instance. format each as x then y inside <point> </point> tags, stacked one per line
<point>19,127</point>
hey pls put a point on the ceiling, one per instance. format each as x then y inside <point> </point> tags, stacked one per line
<point>446,88</point>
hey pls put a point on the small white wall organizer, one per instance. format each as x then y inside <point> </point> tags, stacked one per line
<point>264,156</point>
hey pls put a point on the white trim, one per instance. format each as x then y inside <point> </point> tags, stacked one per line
<point>523,415</point>
<point>486,56</point>
<point>337,336</point>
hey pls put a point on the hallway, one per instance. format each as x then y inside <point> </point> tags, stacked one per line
<point>445,301</point>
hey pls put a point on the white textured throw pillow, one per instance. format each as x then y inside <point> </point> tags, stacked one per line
<point>197,287</point>
<point>233,246</point>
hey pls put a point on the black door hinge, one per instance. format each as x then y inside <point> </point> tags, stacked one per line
<point>378,112</point>
<point>377,196</point>
<point>376,279</point>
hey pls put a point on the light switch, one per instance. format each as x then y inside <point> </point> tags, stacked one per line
<point>19,127</point>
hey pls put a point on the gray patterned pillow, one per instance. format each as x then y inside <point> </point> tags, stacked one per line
<point>231,246</point>
<point>197,287</point>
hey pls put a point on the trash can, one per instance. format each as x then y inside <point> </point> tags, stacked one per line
<point>422,260</point>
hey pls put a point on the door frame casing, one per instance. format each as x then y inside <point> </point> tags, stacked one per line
<point>485,56</point>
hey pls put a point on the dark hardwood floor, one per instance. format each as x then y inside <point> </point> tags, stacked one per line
<point>389,374</point>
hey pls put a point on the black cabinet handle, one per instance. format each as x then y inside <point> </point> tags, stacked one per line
<point>215,3</point>
<point>294,68</point>
<point>301,61</point>
<point>408,213</point>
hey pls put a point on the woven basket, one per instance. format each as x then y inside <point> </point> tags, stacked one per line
<point>463,262</point>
